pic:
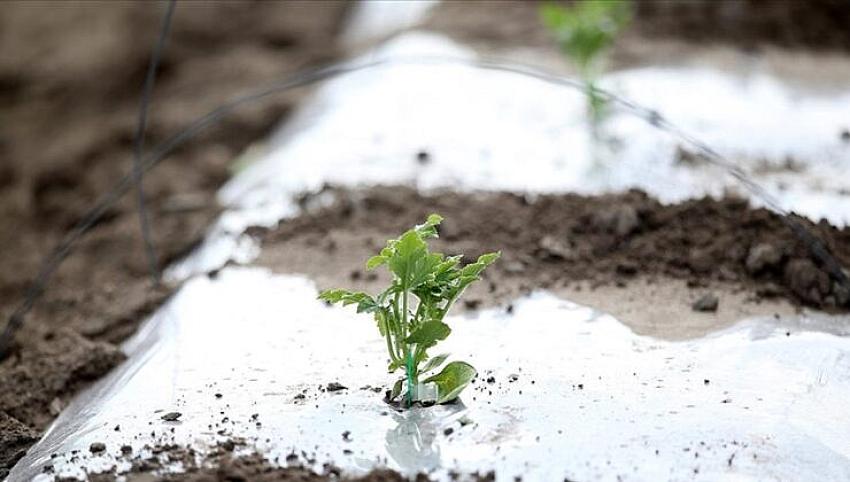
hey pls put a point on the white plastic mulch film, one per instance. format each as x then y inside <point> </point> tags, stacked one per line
<point>564,391</point>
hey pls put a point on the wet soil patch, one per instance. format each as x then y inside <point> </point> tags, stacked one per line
<point>550,241</point>
<point>70,83</point>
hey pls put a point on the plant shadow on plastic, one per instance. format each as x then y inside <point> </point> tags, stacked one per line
<point>410,312</point>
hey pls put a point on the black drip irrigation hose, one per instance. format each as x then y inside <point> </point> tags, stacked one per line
<point>139,144</point>
<point>52,262</point>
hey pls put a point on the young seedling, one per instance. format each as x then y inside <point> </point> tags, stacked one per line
<point>410,312</point>
<point>584,32</point>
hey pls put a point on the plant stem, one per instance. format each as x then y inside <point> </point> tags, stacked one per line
<point>450,303</point>
<point>390,348</point>
<point>399,330</point>
<point>412,380</point>
<point>417,314</point>
<point>404,312</point>
<point>411,376</point>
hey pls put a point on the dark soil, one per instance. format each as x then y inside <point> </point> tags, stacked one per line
<point>256,468</point>
<point>816,24</point>
<point>15,439</point>
<point>749,24</point>
<point>229,460</point>
<point>70,81</point>
<point>555,240</point>
<point>223,463</point>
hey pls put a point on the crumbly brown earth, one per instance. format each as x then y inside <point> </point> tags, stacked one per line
<point>570,242</point>
<point>228,461</point>
<point>70,81</point>
<point>223,464</point>
<point>15,438</point>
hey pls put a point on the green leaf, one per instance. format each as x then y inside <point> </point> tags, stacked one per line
<point>411,263</point>
<point>475,269</point>
<point>451,380</point>
<point>429,333</point>
<point>332,296</point>
<point>434,363</point>
<point>434,219</point>
<point>383,257</point>
<point>395,365</point>
<point>397,387</point>
<point>375,261</point>
<point>365,303</point>
<point>408,250</point>
<point>381,320</point>
<point>471,272</point>
<point>429,228</point>
<point>447,270</point>
<point>489,258</point>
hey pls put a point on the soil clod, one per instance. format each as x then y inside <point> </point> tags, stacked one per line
<point>423,157</point>
<point>172,416</point>
<point>621,220</point>
<point>335,387</point>
<point>706,303</point>
<point>763,256</point>
<point>807,281</point>
<point>555,248</point>
<point>15,437</point>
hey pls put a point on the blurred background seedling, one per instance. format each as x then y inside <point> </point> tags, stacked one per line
<point>585,32</point>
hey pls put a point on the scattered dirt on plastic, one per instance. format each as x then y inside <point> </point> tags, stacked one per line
<point>172,416</point>
<point>557,240</point>
<point>335,387</point>
<point>227,462</point>
<point>70,84</point>
<point>230,460</point>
